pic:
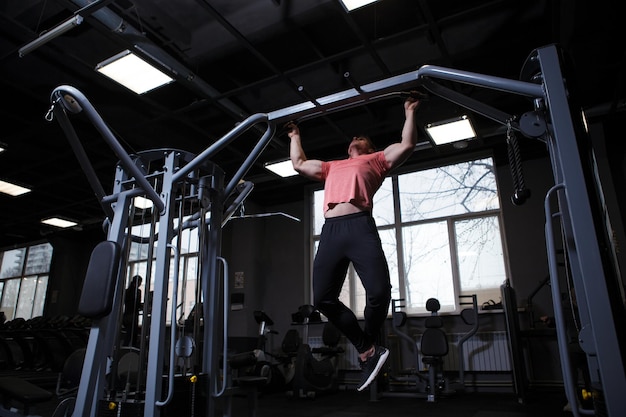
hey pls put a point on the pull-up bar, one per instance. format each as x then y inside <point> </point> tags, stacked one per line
<point>391,87</point>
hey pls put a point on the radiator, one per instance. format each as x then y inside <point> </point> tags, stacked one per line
<point>488,351</point>
<point>348,360</point>
<point>483,352</point>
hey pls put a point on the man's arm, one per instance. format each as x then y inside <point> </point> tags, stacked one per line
<point>311,168</point>
<point>397,153</point>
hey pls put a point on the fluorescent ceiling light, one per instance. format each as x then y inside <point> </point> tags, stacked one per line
<point>12,189</point>
<point>282,168</point>
<point>143,203</point>
<point>58,222</point>
<point>51,34</point>
<point>1,149</point>
<point>449,131</point>
<point>355,4</point>
<point>133,72</point>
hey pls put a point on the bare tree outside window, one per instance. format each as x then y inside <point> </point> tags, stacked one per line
<point>464,246</point>
<point>463,188</point>
<point>427,266</point>
<point>480,257</point>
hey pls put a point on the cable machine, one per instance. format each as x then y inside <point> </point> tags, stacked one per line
<point>178,178</point>
<point>184,176</point>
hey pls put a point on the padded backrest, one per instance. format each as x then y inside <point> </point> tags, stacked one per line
<point>469,316</point>
<point>434,342</point>
<point>399,318</point>
<point>96,299</point>
<point>72,369</point>
<point>291,341</point>
<point>330,335</point>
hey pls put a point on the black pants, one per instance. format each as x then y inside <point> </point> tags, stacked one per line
<point>352,238</point>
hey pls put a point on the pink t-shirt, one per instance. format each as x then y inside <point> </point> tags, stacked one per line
<point>354,180</point>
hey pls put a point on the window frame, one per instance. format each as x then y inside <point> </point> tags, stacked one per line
<point>189,268</point>
<point>40,277</point>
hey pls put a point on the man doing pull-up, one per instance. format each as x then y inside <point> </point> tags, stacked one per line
<point>349,235</point>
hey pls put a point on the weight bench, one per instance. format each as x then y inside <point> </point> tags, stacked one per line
<point>16,390</point>
<point>248,385</point>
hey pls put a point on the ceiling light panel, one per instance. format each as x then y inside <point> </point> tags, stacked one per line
<point>355,4</point>
<point>58,222</point>
<point>133,72</point>
<point>450,131</point>
<point>282,168</point>
<point>12,189</point>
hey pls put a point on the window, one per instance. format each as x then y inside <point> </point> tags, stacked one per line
<point>24,280</point>
<point>441,234</point>
<point>187,273</point>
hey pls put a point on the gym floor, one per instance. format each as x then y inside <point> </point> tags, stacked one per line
<point>350,403</point>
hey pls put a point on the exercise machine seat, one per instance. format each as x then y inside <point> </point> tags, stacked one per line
<point>291,343</point>
<point>330,337</point>
<point>14,389</point>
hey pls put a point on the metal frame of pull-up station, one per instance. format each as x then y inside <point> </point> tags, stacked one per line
<point>184,176</point>
<point>583,224</point>
<point>585,232</point>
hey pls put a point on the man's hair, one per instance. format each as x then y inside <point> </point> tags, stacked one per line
<point>369,142</point>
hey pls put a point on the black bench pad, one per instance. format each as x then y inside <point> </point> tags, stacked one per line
<point>23,391</point>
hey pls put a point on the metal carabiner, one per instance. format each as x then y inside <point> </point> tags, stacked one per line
<point>50,114</point>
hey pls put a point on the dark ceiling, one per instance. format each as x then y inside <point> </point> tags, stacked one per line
<point>235,58</point>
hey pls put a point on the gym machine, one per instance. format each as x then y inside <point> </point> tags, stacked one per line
<point>584,222</point>
<point>430,351</point>
<point>552,119</point>
<point>315,368</point>
<point>432,348</point>
<point>188,192</point>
